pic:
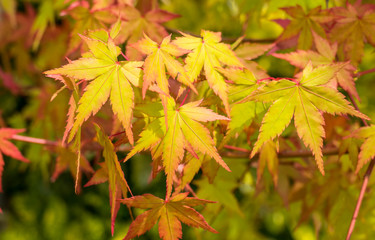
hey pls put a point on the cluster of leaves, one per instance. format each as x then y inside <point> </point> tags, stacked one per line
<point>190,100</point>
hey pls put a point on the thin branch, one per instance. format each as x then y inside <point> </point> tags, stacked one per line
<point>226,39</point>
<point>244,153</point>
<point>365,72</point>
<point>35,140</point>
<point>364,183</point>
<point>360,198</point>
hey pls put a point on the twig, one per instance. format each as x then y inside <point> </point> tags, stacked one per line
<point>364,183</point>
<point>360,199</point>
<point>244,153</point>
<point>226,39</point>
<point>365,72</point>
<point>35,140</point>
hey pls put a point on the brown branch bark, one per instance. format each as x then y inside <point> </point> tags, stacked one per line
<point>364,183</point>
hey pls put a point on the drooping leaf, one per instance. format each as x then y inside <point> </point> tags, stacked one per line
<point>209,53</point>
<point>303,24</point>
<point>8,148</point>
<point>353,24</point>
<point>109,78</point>
<point>268,156</point>
<point>367,149</point>
<point>326,54</point>
<point>68,159</point>
<point>183,128</point>
<point>170,214</point>
<point>305,99</point>
<point>118,187</point>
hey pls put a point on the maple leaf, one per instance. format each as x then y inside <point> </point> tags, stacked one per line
<point>109,78</point>
<point>268,156</point>
<point>159,58</point>
<point>179,208</point>
<point>68,159</point>
<point>303,24</point>
<point>135,25</point>
<point>326,54</point>
<point>210,54</point>
<point>8,148</point>
<point>244,84</point>
<point>184,132</point>
<point>353,24</point>
<point>111,171</point>
<point>305,99</point>
<point>367,149</point>
<point>86,18</point>
<point>250,51</point>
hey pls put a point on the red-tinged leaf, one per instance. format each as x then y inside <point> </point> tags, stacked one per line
<point>9,148</point>
<point>100,176</point>
<point>86,18</point>
<point>110,79</point>
<point>367,149</point>
<point>183,129</point>
<point>326,55</point>
<point>305,99</point>
<point>210,54</point>
<point>249,51</point>
<point>169,213</point>
<point>9,83</point>
<point>353,24</point>
<point>159,59</point>
<point>303,24</point>
<point>67,158</point>
<point>135,25</point>
<point>118,186</point>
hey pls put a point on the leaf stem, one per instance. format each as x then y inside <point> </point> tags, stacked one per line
<point>365,178</point>
<point>183,101</point>
<point>35,140</point>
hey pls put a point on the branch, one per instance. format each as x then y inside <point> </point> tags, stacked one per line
<point>226,39</point>
<point>35,140</point>
<point>365,178</point>
<point>244,153</point>
<point>365,72</point>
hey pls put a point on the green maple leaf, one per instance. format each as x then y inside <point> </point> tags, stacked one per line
<point>209,53</point>
<point>109,78</point>
<point>326,54</point>
<point>305,99</point>
<point>169,213</point>
<point>303,24</point>
<point>184,132</point>
<point>353,24</point>
<point>244,84</point>
<point>367,149</point>
<point>111,171</point>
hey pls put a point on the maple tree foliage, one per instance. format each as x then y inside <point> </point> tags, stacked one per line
<point>219,117</point>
